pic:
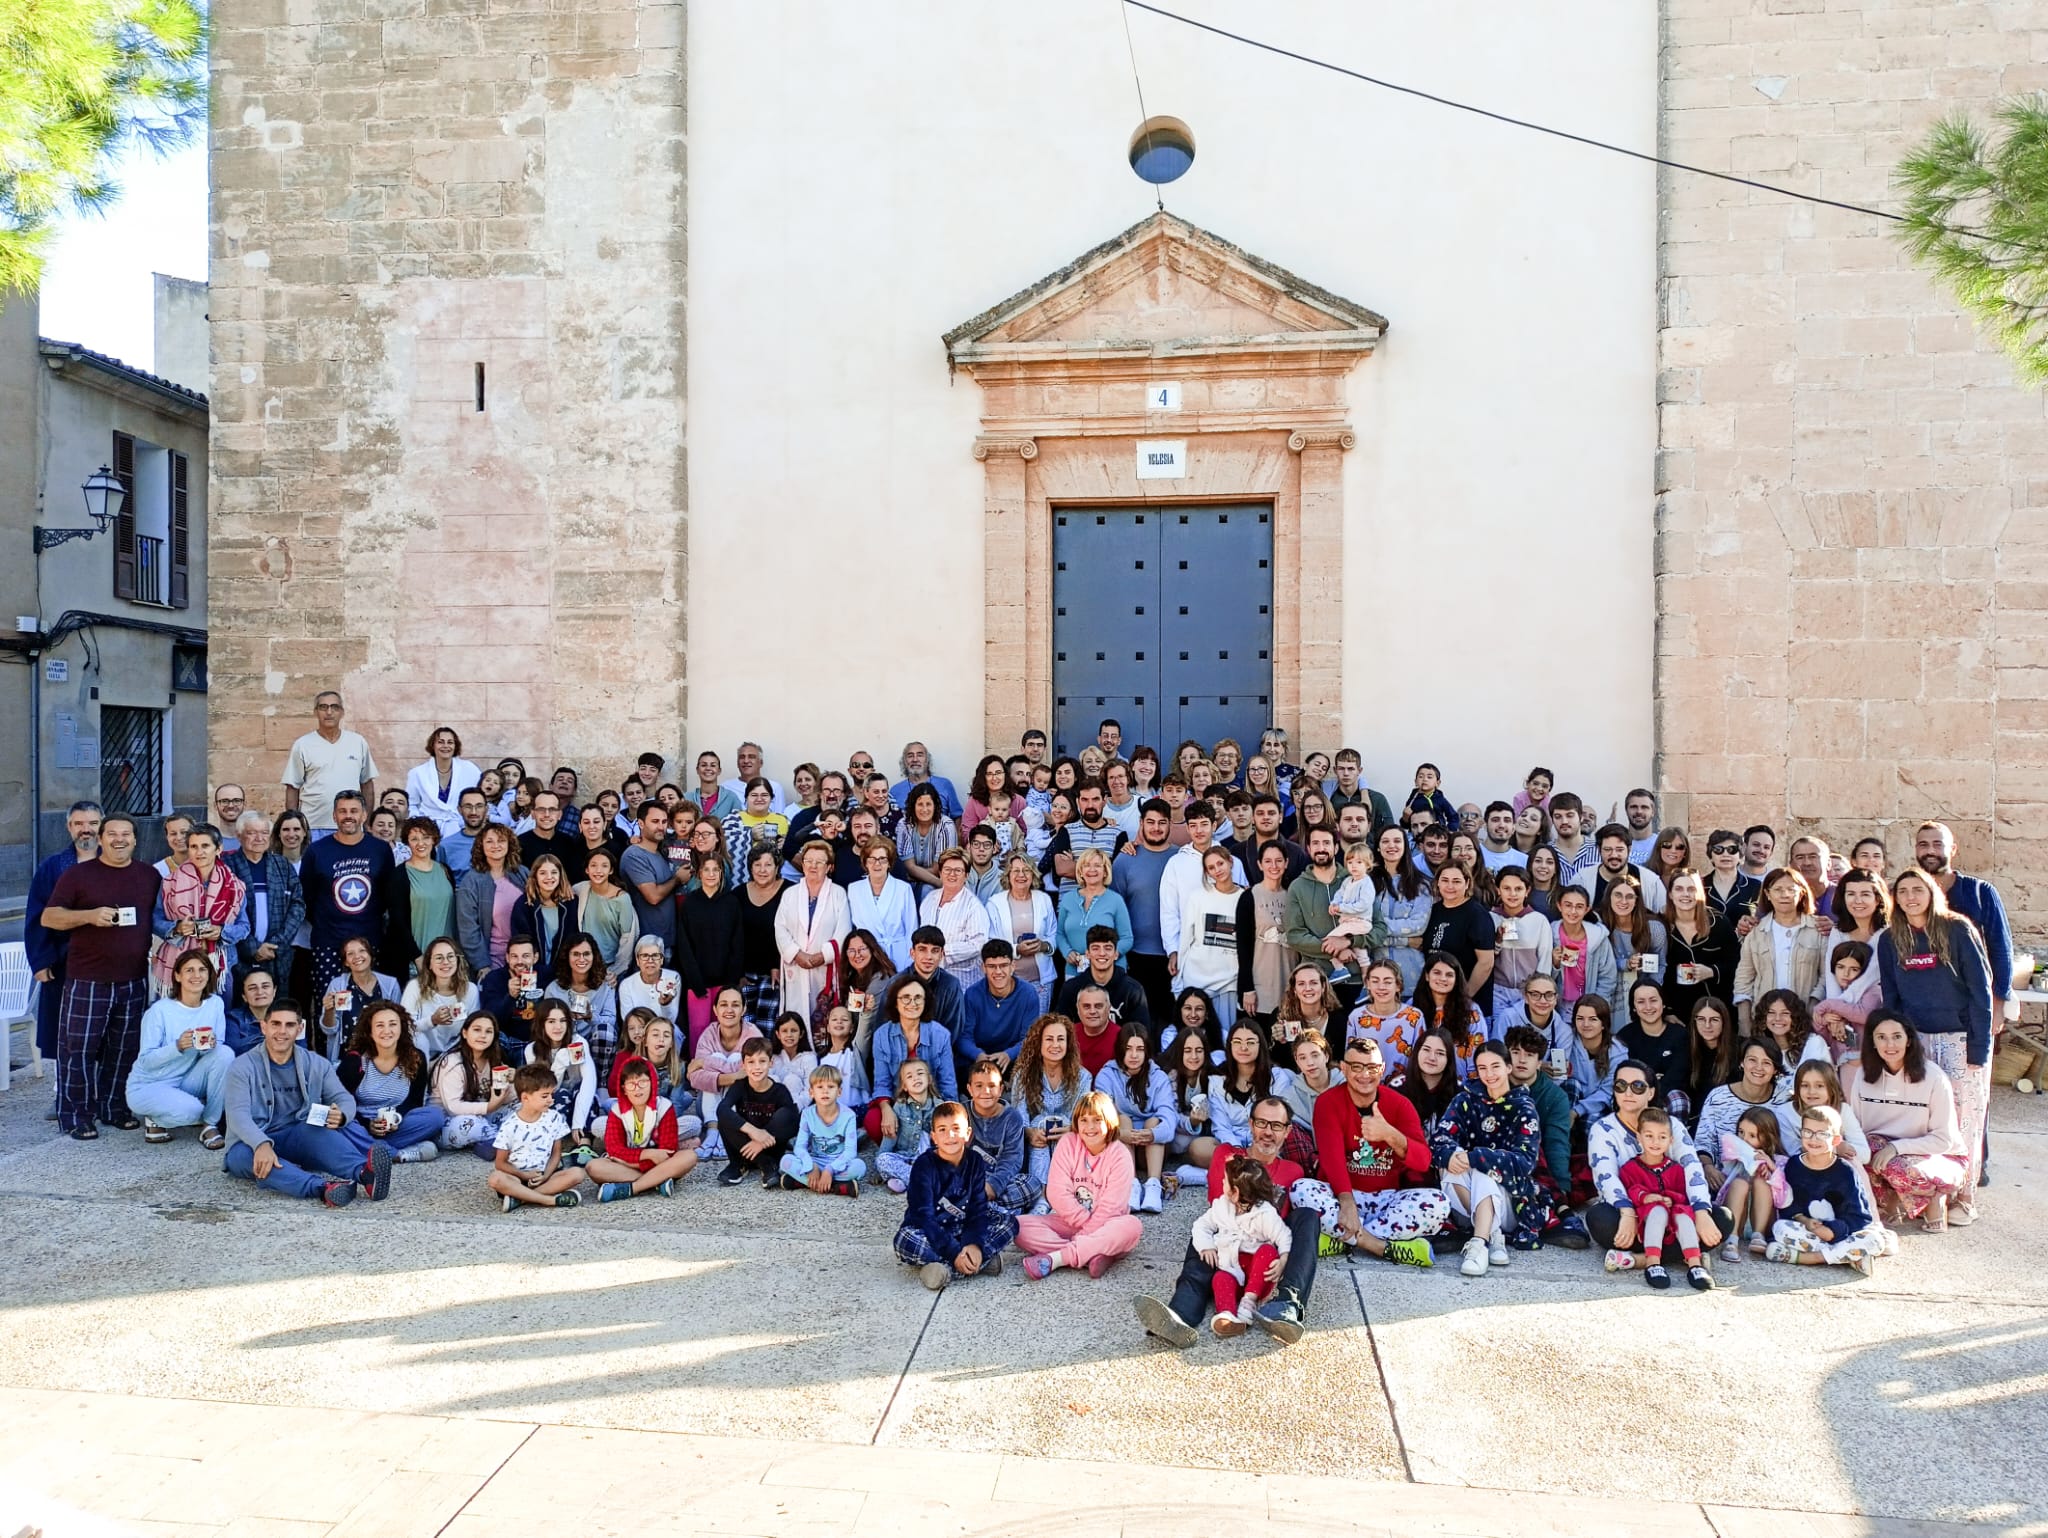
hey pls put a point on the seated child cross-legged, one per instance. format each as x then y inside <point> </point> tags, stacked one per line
<point>528,1168</point>
<point>950,1228</point>
<point>1655,1183</point>
<point>1089,1191</point>
<point>914,1104</point>
<point>1826,1223</point>
<point>1242,1236</point>
<point>641,1141</point>
<point>824,1157</point>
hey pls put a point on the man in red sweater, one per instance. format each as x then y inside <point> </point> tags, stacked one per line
<point>1369,1142</point>
<point>1095,1033</point>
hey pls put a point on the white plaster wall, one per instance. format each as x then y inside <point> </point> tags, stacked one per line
<point>863,178</point>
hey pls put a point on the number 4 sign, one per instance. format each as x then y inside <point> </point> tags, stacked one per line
<point>1162,397</point>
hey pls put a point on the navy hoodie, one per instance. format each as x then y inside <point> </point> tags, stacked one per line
<point>948,1203</point>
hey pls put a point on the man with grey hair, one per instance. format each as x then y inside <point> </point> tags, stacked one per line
<point>751,763</point>
<point>916,763</point>
<point>324,763</point>
<point>276,907</point>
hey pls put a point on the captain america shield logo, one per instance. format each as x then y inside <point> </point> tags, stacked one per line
<point>352,894</point>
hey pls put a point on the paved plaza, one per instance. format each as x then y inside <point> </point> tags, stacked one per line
<point>734,1361</point>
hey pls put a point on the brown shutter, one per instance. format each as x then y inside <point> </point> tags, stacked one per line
<point>124,520</point>
<point>181,532</point>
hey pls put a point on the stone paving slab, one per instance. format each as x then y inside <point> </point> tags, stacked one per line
<point>322,1474</point>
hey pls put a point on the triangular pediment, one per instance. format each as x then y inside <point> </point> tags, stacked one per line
<point>1165,285</point>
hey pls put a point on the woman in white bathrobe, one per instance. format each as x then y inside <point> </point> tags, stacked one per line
<point>811,921</point>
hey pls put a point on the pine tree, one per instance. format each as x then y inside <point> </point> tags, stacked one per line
<point>80,82</point>
<point>1976,217</point>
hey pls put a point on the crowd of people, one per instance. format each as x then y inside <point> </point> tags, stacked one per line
<point>1039,1010</point>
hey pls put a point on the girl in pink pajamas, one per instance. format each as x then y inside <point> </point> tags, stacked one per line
<point>1089,1188</point>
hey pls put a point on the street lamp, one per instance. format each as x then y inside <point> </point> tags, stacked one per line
<point>100,491</point>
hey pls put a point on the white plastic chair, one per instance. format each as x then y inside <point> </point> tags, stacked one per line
<point>17,1004</point>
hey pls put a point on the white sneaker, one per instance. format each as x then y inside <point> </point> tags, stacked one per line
<point>1497,1252</point>
<point>1246,1310</point>
<point>426,1153</point>
<point>1474,1263</point>
<point>1137,1202</point>
<point>1155,1199</point>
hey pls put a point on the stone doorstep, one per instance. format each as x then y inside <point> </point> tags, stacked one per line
<point>60,1467</point>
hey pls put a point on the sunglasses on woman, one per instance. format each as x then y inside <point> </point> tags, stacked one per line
<point>1632,1086</point>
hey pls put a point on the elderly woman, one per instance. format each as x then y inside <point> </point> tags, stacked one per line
<point>198,907</point>
<point>1932,967</point>
<point>1783,950</point>
<point>1091,902</point>
<point>882,904</point>
<point>274,907</point>
<point>651,985</point>
<point>485,897</point>
<point>1610,1144</point>
<point>1023,914</point>
<point>810,922</point>
<point>959,915</point>
<point>1907,1109</point>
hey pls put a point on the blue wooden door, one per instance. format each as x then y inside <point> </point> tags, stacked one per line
<point>1162,618</point>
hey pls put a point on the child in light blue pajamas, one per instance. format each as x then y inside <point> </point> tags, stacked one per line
<point>825,1158</point>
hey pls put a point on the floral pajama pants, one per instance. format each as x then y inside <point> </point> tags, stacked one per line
<point>1413,1213</point>
<point>1836,1252</point>
<point>1916,1179</point>
<point>1949,1051</point>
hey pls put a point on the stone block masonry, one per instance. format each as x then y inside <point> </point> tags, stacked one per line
<point>1852,550</point>
<point>448,291</point>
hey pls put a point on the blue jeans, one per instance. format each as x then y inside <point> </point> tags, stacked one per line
<point>307,1157</point>
<point>422,1124</point>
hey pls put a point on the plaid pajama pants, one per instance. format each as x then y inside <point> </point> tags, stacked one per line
<point>913,1249</point>
<point>99,1034</point>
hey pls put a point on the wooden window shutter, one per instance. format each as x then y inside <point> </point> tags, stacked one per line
<point>124,521</point>
<point>181,532</point>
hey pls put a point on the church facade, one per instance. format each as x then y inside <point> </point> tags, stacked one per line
<point>607,379</point>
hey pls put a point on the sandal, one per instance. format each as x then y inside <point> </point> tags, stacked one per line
<point>128,1124</point>
<point>84,1134</point>
<point>213,1138</point>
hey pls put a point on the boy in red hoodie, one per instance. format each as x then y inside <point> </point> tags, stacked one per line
<point>640,1136</point>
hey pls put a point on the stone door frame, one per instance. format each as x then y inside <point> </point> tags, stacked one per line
<point>1065,368</point>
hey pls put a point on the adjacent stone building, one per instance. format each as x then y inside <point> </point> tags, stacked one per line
<point>1529,450</point>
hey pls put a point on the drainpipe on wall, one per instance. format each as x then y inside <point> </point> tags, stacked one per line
<point>35,762</point>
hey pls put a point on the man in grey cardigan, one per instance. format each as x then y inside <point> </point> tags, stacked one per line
<point>291,1125</point>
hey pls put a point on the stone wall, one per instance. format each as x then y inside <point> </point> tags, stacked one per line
<point>413,203</point>
<point>1852,552</point>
